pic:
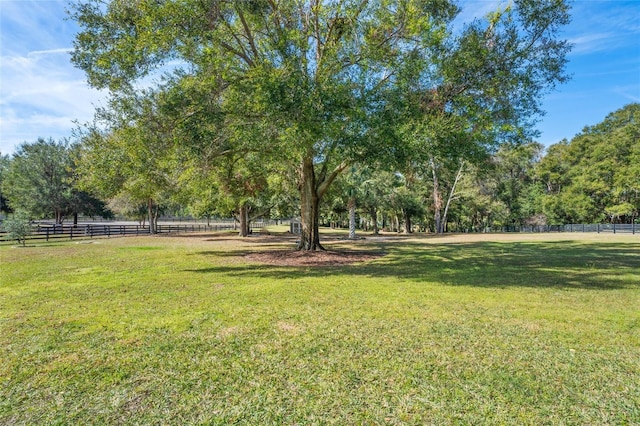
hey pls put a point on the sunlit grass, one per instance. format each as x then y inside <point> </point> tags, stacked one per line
<point>461,329</point>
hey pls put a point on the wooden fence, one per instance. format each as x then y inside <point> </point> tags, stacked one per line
<point>619,228</point>
<point>46,232</point>
<point>614,228</point>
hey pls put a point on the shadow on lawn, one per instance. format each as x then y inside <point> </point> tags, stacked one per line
<point>560,264</point>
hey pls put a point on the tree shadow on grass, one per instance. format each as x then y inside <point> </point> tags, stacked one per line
<point>561,264</point>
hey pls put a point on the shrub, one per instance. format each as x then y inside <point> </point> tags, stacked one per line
<point>18,227</point>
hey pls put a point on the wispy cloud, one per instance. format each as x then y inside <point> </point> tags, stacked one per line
<point>589,43</point>
<point>621,15</point>
<point>51,51</point>
<point>600,25</point>
<point>631,92</point>
<point>41,94</point>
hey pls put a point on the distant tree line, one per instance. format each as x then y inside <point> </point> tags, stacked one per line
<point>41,181</point>
<point>593,178</point>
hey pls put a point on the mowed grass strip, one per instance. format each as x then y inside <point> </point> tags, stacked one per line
<point>541,329</point>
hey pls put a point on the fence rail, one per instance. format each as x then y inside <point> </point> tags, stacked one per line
<point>615,228</point>
<point>620,228</point>
<point>46,232</point>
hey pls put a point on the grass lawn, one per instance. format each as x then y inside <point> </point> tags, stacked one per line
<point>478,329</point>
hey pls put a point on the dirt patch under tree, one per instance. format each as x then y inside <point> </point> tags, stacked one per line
<point>312,258</point>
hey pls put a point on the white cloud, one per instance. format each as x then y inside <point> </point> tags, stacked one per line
<point>41,93</point>
<point>631,92</point>
<point>51,51</point>
<point>600,26</point>
<point>589,43</point>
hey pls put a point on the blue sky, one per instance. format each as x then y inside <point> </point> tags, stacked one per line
<point>42,94</point>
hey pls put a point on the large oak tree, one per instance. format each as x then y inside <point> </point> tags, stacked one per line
<point>318,76</point>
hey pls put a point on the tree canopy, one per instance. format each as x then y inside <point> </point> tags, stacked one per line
<point>591,178</point>
<point>39,180</point>
<point>318,85</point>
<point>595,176</point>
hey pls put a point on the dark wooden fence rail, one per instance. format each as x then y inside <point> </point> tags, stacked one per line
<point>43,232</point>
<point>614,228</point>
<point>295,228</point>
<point>620,228</point>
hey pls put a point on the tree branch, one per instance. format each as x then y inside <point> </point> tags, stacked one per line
<point>324,185</point>
<point>241,55</point>
<point>249,35</point>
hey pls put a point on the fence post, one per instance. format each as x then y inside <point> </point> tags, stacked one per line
<point>598,227</point>
<point>614,227</point>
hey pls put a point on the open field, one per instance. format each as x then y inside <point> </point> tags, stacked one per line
<point>191,329</point>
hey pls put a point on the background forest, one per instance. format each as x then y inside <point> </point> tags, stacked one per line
<point>592,178</point>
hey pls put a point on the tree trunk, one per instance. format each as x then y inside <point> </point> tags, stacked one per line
<point>309,208</point>
<point>152,220</point>
<point>352,218</point>
<point>156,212</point>
<point>244,220</point>
<point>437,199</point>
<point>310,233</point>
<point>374,219</point>
<point>407,222</point>
<point>452,194</point>
<point>312,189</point>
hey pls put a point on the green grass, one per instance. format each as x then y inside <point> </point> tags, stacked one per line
<point>533,330</point>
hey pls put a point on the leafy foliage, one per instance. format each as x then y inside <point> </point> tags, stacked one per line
<point>4,166</point>
<point>320,83</point>
<point>596,176</point>
<point>17,227</point>
<point>136,157</point>
<point>41,180</point>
